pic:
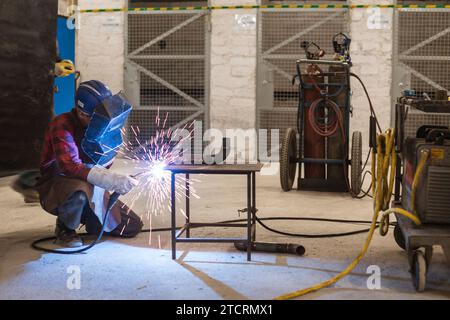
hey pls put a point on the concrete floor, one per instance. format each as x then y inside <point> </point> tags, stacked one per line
<point>141,268</point>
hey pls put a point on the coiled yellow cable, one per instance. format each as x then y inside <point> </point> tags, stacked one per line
<point>382,186</point>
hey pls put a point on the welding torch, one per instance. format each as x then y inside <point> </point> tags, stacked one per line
<point>115,195</point>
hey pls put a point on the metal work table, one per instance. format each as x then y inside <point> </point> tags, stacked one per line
<point>248,170</point>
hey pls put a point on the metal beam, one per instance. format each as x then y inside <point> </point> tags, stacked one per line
<point>263,10</point>
<point>425,78</point>
<point>425,42</point>
<point>164,12</point>
<point>168,57</point>
<point>279,70</point>
<point>425,58</point>
<point>182,122</point>
<point>303,32</point>
<point>291,57</point>
<point>166,34</point>
<point>165,108</point>
<point>168,85</point>
<point>280,109</point>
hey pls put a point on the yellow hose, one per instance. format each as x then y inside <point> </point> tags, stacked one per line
<point>382,186</point>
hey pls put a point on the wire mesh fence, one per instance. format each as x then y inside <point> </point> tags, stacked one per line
<point>421,58</point>
<point>169,53</point>
<point>422,50</point>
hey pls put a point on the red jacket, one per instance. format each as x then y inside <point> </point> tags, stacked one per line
<point>61,153</point>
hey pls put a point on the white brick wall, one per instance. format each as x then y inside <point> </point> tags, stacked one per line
<point>233,68</point>
<point>371,52</point>
<point>100,43</point>
<point>62,7</point>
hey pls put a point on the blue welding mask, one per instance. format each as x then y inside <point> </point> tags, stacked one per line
<point>103,136</point>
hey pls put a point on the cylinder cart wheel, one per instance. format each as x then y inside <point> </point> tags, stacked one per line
<point>288,159</point>
<point>356,162</point>
<point>419,271</point>
<point>399,238</point>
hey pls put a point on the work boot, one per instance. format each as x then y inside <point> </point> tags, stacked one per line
<point>66,237</point>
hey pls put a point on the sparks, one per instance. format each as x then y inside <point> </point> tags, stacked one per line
<point>149,159</point>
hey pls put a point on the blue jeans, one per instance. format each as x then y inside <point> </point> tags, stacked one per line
<point>76,210</point>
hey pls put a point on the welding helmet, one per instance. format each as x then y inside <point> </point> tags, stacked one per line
<point>90,94</point>
<point>103,136</point>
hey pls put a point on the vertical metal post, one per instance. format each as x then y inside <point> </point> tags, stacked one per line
<point>259,62</point>
<point>395,59</point>
<point>188,210</point>
<point>207,71</point>
<point>172,199</point>
<point>249,218</point>
<point>398,180</point>
<point>253,206</point>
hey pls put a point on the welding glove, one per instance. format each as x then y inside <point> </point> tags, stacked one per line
<point>111,181</point>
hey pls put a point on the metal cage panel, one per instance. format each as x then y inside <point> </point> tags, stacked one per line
<point>421,51</point>
<point>167,68</point>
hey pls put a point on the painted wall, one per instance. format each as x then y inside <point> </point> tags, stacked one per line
<point>233,66</point>
<point>64,96</point>
<point>100,43</point>
<point>371,50</point>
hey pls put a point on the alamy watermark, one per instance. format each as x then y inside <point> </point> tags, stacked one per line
<point>227,146</point>
<point>374,280</point>
<point>74,279</point>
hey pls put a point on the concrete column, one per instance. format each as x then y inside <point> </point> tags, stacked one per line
<point>100,43</point>
<point>62,7</point>
<point>371,31</point>
<point>65,7</point>
<point>233,66</point>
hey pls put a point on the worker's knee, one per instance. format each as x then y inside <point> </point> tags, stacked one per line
<point>69,213</point>
<point>79,198</point>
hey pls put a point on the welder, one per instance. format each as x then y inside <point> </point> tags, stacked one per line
<point>74,187</point>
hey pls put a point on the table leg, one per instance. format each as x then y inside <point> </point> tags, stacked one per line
<point>188,212</point>
<point>254,206</point>
<point>249,218</point>
<point>172,199</point>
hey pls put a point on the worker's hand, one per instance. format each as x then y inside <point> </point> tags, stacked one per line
<point>111,181</point>
<point>125,184</point>
<point>64,68</point>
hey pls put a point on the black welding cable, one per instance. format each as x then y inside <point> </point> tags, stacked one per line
<point>35,244</point>
<point>372,110</point>
<point>365,193</point>
<point>312,236</point>
<point>298,235</point>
